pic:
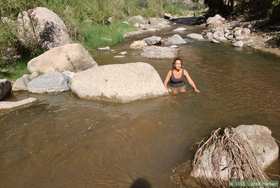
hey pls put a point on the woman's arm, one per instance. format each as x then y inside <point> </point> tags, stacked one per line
<point>168,76</point>
<point>191,82</point>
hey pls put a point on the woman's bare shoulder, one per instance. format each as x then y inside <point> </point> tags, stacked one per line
<point>185,71</point>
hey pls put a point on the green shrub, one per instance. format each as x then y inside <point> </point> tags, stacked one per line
<point>95,35</point>
<point>14,70</point>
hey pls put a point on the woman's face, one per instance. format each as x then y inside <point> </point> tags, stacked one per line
<point>178,64</point>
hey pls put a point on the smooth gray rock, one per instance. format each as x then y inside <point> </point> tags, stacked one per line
<point>174,40</point>
<point>48,83</point>
<point>21,83</point>
<point>118,83</point>
<point>5,89</point>
<point>153,40</point>
<point>195,36</point>
<point>159,52</point>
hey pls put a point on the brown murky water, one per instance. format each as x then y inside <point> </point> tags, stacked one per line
<point>66,142</point>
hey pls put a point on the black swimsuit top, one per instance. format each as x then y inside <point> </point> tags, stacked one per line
<point>177,80</point>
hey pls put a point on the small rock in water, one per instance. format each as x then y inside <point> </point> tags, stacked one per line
<point>174,46</point>
<point>215,41</point>
<point>107,48</point>
<point>123,53</point>
<point>179,30</point>
<point>153,40</point>
<point>175,40</point>
<point>209,36</point>
<point>139,44</point>
<point>238,44</point>
<point>119,56</point>
<point>195,36</point>
<point>7,105</point>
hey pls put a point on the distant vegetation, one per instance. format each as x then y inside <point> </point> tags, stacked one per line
<point>251,9</point>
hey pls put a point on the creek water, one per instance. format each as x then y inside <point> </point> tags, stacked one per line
<point>63,141</point>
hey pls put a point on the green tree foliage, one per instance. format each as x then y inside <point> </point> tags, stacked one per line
<point>251,9</point>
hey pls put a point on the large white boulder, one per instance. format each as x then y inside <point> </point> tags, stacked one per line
<point>48,83</point>
<point>70,57</point>
<point>263,145</point>
<point>158,52</point>
<point>216,164</point>
<point>118,83</point>
<point>41,27</point>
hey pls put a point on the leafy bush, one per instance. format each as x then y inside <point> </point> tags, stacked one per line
<point>95,35</point>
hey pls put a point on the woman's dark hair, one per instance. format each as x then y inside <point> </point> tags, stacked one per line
<point>174,61</point>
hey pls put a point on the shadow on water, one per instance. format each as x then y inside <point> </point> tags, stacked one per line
<point>195,20</point>
<point>141,183</point>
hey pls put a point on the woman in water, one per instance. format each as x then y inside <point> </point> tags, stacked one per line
<point>174,80</point>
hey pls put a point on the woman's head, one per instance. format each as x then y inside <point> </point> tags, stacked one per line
<point>177,63</point>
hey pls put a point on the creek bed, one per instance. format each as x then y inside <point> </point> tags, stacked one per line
<point>66,142</point>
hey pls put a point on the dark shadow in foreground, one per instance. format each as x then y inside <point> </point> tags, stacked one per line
<point>141,183</point>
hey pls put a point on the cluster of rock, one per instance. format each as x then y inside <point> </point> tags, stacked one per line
<point>218,30</point>
<point>146,25</point>
<point>159,48</point>
<point>69,66</point>
<point>6,92</point>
